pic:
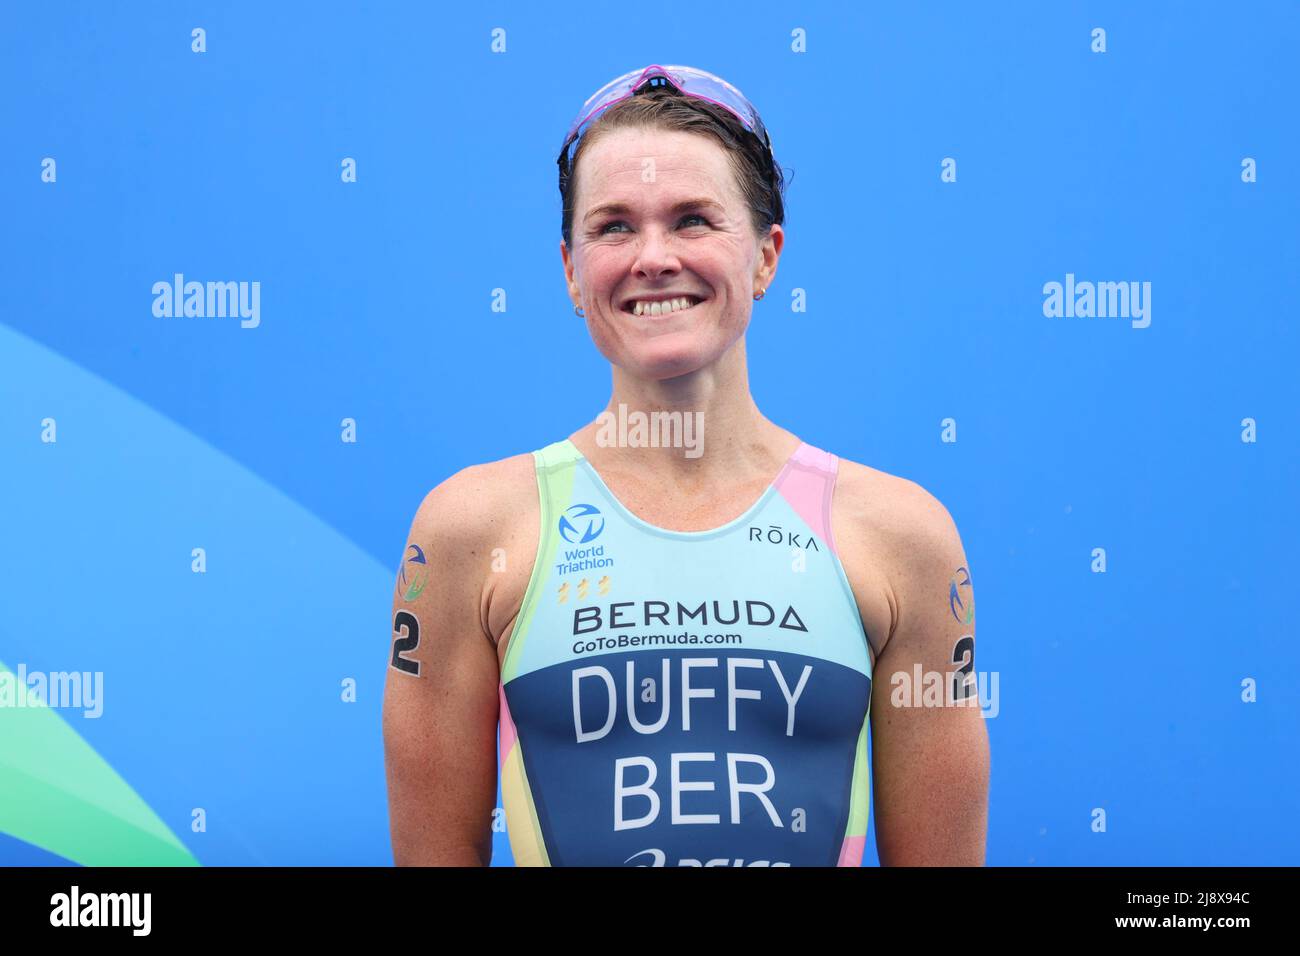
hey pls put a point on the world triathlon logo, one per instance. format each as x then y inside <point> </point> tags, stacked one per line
<point>960,597</point>
<point>581,523</point>
<point>414,573</point>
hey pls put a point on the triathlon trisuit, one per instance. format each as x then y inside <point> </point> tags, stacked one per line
<point>686,698</point>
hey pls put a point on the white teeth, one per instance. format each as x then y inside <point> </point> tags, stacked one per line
<point>661,308</point>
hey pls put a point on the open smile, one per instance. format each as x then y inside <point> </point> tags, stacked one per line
<point>661,306</point>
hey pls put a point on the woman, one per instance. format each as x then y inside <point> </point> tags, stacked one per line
<point>675,628</point>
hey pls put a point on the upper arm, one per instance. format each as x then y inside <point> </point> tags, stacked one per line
<point>930,764</point>
<point>440,697</point>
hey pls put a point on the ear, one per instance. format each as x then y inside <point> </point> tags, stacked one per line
<point>769,255</point>
<point>570,275</point>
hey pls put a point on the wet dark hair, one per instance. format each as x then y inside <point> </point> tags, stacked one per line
<point>760,179</point>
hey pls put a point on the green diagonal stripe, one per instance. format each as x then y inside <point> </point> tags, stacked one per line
<point>58,794</point>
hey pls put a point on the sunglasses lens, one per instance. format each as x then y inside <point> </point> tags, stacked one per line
<point>688,80</point>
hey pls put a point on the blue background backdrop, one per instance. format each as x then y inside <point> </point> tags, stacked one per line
<point>1119,690</point>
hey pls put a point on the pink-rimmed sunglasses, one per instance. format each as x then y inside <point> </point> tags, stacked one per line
<point>685,79</point>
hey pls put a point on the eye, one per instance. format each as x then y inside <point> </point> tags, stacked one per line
<point>607,227</point>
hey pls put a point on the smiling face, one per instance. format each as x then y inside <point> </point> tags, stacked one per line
<point>659,216</point>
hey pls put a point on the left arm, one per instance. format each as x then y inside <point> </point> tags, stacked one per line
<point>930,766</point>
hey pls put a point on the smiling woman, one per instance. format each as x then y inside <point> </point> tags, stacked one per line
<point>596,632</point>
<point>650,199</point>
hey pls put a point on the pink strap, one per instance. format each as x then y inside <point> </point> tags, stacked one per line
<point>807,483</point>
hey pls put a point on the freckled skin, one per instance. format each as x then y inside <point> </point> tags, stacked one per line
<point>651,248</point>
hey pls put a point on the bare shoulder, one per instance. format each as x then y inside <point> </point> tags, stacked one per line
<point>479,527</point>
<point>893,506</point>
<point>894,536</point>
<point>477,504</point>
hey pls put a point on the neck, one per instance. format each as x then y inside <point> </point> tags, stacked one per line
<point>702,429</point>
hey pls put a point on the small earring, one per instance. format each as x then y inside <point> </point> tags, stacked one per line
<point>759,294</point>
<point>577,310</point>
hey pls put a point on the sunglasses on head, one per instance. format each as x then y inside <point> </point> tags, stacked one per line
<point>684,79</point>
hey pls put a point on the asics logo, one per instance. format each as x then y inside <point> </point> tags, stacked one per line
<point>658,858</point>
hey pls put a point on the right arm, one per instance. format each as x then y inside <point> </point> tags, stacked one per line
<point>440,724</point>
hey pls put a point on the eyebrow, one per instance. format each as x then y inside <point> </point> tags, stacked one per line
<point>618,208</point>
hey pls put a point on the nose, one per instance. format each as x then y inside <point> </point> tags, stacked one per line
<point>655,256</point>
